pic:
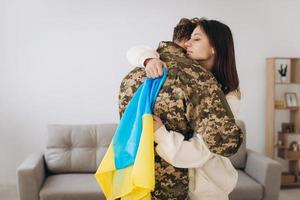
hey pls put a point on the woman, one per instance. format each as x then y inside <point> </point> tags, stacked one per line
<point>207,46</point>
<point>211,44</point>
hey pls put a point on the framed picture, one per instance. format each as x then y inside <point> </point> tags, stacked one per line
<point>291,100</point>
<point>283,70</point>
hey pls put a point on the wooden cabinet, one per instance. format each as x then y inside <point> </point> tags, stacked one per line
<point>278,141</point>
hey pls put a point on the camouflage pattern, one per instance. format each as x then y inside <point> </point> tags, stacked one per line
<point>190,102</point>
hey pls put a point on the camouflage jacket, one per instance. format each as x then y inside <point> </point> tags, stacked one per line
<point>190,102</point>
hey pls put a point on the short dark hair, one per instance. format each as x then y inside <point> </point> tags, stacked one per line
<point>183,30</point>
<point>220,38</point>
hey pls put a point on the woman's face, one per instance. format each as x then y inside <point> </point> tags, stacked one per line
<point>199,48</point>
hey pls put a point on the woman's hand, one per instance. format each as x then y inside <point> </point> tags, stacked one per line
<point>154,67</point>
<point>157,123</point>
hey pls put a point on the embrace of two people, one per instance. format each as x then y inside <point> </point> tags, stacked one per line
<point>195,110</point>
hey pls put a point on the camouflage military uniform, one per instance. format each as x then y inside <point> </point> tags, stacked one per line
<point>190,102</point>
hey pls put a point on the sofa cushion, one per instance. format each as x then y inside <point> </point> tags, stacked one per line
<point>71,187</point>
<point>77,148</point>
<point>238,160</point>
<point>246,188</point>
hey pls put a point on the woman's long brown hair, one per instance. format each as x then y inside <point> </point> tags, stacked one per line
<point>224,69</point>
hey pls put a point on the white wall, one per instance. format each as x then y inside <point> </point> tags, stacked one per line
<point>62,61</point>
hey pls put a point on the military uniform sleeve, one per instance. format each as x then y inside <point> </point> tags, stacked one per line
<point>212,117</point>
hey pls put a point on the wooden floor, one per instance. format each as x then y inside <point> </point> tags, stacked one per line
<point>10,193</point>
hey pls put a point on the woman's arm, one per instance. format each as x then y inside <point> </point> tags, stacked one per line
<point>172,147</point>
<point>138,54</point>
<point>234,104</point>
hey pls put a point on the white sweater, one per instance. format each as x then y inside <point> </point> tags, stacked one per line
<point>211,176</point>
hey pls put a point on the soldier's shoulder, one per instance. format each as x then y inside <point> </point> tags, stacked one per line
<point>199,81</point>
<point>137,72</point>
<point>135,76</point>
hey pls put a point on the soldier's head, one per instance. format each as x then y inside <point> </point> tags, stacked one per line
<point>183,31</point>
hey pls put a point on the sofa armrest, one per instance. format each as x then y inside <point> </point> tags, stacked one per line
<point>30,177</point>
<point>265,171</point>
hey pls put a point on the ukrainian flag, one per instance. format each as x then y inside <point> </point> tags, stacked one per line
<point>127,169</point>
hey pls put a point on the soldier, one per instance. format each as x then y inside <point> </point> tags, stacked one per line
<point>190,102</point>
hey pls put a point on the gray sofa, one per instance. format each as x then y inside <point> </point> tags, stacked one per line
<point>65,170</point>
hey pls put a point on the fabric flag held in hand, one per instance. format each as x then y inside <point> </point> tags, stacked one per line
<point>127,169</point>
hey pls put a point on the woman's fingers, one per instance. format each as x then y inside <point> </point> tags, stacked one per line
<point>150,72</point>
<point>154,72</point>
<point>159,70</point>
<point>154,68</point>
